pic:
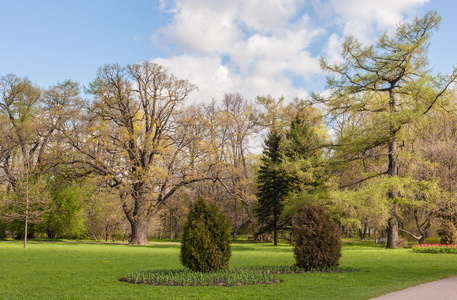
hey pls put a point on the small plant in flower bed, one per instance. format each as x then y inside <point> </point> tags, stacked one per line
<point>435,248</point>
<point>296,269</point>
<point>187,277</point>
<point>231,277</point>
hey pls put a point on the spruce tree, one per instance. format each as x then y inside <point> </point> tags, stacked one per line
<point>272,186</point>
<point>304,158</point>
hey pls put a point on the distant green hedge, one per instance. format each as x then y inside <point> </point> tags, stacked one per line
<point>435,240</point>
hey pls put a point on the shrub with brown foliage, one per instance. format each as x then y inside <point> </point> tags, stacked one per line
<point>318,239</point>
<point>448,233</point>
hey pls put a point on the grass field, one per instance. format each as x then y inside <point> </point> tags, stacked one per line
<point>80,271</point>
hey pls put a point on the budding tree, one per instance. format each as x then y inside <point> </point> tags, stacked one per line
<point>134,134</point>
<point>388,83</point>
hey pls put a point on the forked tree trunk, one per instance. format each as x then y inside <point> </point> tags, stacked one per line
<point>422,228</point>
<point>422,239</point>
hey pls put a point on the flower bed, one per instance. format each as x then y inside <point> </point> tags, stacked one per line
<point>435,248</point>
<point>231,277</point>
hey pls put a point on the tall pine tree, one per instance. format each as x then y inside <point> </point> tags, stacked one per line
<point>292,171</point>
<point>304,155</point>
<point>272,186</point>
<point>305,163</point>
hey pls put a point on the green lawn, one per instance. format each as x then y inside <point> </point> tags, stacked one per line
<point>78,271</point>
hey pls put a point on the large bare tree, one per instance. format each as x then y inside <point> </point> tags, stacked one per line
<point>135,135</point>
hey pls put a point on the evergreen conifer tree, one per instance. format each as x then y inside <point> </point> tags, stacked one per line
<point>304,158</point>
<point>206,238</point>
<point>272,186</point>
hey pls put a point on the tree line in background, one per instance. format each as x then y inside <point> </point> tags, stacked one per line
<point>128,159</point>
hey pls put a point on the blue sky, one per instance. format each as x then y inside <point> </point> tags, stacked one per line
<point>254,47</point>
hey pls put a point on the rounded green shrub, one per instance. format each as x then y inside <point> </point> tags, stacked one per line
<point>448,233</point>
<point>317,239</point>
<point>206,239</point>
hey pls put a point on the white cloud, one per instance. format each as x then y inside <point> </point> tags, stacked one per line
<point>260,47</point>
<point>200,28</point>
<point>212,78</point>
<point>364,19</point>
<point>332,50</point>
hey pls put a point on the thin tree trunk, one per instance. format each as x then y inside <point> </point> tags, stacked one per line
<point>235,221</point>
<point>365,230</point>
<point>26,202</point>
<point>26,221</point>
<point>275,230</point>
<point>171,226</point>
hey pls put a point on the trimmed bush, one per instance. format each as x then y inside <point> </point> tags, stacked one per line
<point>448,233</point>
<point>318,239</point>
<point>206,239</point>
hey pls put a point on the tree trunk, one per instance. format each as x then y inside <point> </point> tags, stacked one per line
<point>275,229</point>
<point>51,234</point>
<point>138,217</point>
<point>171,226</point>
<point>422,239</point>
<point>139,231</point>
<point>423,231</point>
<point>275,235</point>
<point>235,221</point>
<point>392,228</point>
